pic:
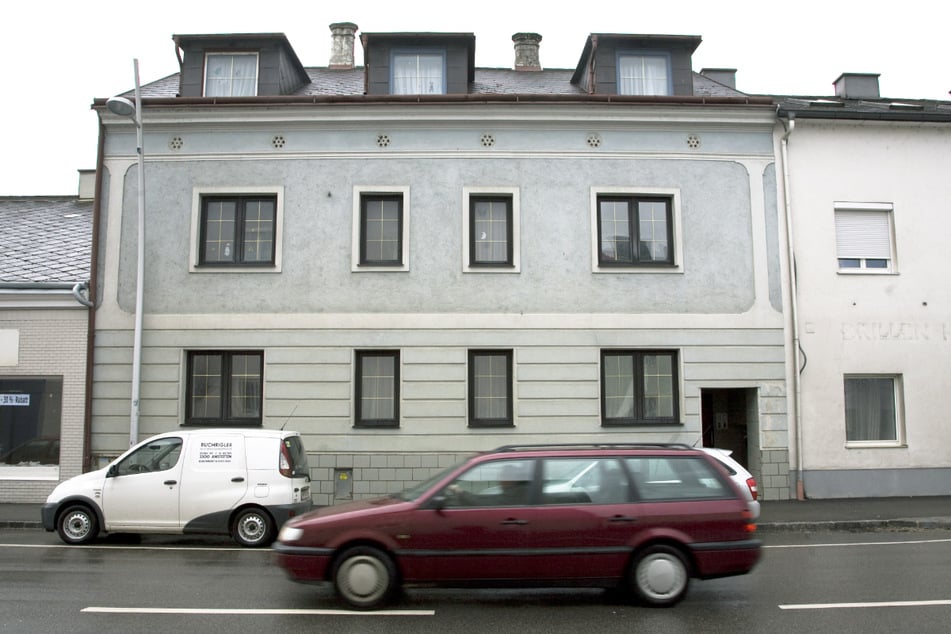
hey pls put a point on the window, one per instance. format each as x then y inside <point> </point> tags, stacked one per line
<point>490,388</point>
<point>237,230</point>
<point>30,414</point>
<point>639,387</point>
<point>380,229</point>
<point>418,73</point>
<point>491,230</point>
<point>231,75</point>
<point>863,237</point>
<point>676,478</point>
<point>377,389</point>
<point>634,231</point>
<point>159,455</point>
<point>584,480</point>
<point>496,483</point>
<point>224,388</point>
<point>643,74</point>
<point>872,409</point>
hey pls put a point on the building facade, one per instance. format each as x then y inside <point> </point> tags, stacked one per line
<point>417,259</point>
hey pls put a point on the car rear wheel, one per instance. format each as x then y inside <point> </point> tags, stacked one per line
<point>660,576</point>
<point>364,577</point>
<point>252,528</point>
<point>77,525</point>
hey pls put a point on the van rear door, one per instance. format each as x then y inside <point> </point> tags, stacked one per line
<point>215,476</point>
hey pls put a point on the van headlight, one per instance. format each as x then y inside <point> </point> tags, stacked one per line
<point>290,534</point>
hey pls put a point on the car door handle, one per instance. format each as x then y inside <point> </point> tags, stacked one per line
<point>170,482</point>
<point>622,518</point>
<point>514,521</point>
<point>237,479</point>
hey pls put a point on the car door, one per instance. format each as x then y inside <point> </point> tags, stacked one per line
<point>141,492</point>
<point>215,479</point>
<point>478,531</point>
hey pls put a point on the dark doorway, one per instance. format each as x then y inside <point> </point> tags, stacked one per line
<point>729,418</point>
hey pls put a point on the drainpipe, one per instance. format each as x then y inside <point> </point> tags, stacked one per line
<point>789,125</point>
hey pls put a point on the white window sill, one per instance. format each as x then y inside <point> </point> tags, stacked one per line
<point>29,473</point>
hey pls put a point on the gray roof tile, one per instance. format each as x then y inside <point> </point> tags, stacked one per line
<point>45,239</point>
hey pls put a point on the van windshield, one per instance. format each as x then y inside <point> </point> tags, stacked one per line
<point>298,457</point>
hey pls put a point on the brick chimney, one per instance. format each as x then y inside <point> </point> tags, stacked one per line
<point>526,51</point>
<point>341,49</point>
<point>857,86</point>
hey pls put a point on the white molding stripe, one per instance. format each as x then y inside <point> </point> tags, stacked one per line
<point>255,612</point>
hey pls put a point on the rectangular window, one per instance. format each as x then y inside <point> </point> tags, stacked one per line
<point>639,387</point>
<point>490,231</point>
<point>377,384</point>
<point>231,74</point>
<point>863,240</point>
<point>490,388</point>
<point>224,388</point>
<point>643,74</point>
<point>30,416</point>
<point>380,229</point>
<point>635,231</point>
<point>872,409</point>
<point>418,73</point>
<point>237,230</point>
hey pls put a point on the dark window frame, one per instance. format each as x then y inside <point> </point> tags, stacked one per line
<point>382,197</point>
<point>509,419</point>
<point>420,51</point>
<point>635,261</point>
<point>241,201</point>
<point>225,419</point>
<point>475,199</point>
<point>639,418</point>
<point>642,53</point>
<point>359,420</point>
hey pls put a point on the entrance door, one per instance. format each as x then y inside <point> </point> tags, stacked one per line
<point>729,418</point>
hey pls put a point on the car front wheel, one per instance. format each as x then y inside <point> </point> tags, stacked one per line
<point>364,577</point>
<point>252,528</point>
<point>77,525</point>
<point>660,576</point>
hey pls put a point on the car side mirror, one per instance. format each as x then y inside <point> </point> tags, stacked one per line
<point>437,502</point>
<point>112,472</point>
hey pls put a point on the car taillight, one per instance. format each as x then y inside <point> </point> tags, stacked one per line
<point>751,483</point>
<point>286,461</point>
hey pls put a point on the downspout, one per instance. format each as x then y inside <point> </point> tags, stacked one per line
<point>789,125</point>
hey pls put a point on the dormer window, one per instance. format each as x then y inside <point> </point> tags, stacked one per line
<point>419,73</point>
<point>231,74</point>
<point>643,74</point>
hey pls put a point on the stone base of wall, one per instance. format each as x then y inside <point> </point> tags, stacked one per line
<point>775,479</point>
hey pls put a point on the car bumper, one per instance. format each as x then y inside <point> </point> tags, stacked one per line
<point>724,559</point>
<point>306,565</point>
<point>48,516</point>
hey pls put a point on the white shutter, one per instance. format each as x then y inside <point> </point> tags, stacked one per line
<point>863,234</point>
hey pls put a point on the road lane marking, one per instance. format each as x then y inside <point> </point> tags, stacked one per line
<point>258,612</point>
<point>878,604</point>
<point>832,545</point>
<point>236,549</point>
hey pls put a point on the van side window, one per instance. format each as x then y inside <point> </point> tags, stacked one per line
<point>675,478</point>
<point>158,455</point>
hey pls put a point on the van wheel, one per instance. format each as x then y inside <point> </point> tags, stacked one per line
<point>77,525</point>
<point>659,576</point>
<point>253,527</point>
<point>364,577</point>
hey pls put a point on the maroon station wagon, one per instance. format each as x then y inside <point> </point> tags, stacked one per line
<point>642,518</point>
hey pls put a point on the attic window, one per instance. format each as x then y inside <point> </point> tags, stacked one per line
<point>231,74</point>
<point>643,74</point>
<point>419,73</point>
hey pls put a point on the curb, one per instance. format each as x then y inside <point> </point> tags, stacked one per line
<point>857,526</point>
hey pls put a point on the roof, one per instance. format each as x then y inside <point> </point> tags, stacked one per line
<point>881,109</point>
<point>46,239</point>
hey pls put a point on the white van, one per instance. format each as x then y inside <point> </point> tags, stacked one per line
<point>239,482</point>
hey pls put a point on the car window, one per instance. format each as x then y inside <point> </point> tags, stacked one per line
<point>496,483</point>
<point>158,455</point>
<point>675,478</point>
<point>589,480</point>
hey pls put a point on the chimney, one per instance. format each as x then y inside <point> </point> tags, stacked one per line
<point>526,51</point>
<point>857,86</point>
<point>341,49</point>
<point>725,76</point>
<point>87,184</point>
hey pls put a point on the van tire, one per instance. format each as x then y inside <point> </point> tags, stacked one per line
<point>77,524</point>
<point>364,577</point>
<point>253,527</point>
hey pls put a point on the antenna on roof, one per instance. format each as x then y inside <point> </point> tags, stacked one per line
<point>289,415</point>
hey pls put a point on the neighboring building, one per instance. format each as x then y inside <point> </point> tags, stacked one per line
<point>419,259</point>
<point>868,200</point>
<point>44,268</point>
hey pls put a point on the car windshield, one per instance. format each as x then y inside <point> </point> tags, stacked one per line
<point>414,492</point>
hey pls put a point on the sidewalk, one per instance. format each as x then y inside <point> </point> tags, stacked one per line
<point>847,514</point>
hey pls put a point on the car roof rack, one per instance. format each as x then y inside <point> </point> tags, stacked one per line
<point>592,445</point>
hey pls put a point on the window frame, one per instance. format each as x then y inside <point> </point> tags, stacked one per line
<point>861,238</point>
<point>674,233</point>
<point>470,195</point>
<point>897,422</point>
<point>418,52</point>
<point>638,418</point>
<point>199,194</point>
<point>471,395</point>
<point>225,419</point>
<point>357,265</point>
<point>641,54</point>
<point>358,420</point>
<point>232,54</point>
